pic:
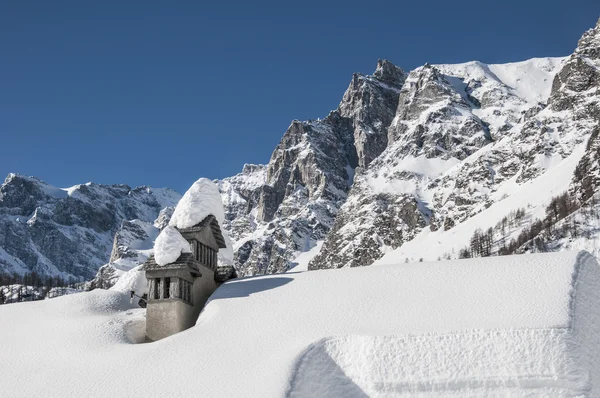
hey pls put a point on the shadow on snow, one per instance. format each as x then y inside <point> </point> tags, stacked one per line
<point>245,287</point>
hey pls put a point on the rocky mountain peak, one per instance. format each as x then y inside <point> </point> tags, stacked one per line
<point>589,44</point>
<point>435,119</point>
<point>389,73</point>
<point>252,168</point>
<point>368,107</point>
<point>580,74</point>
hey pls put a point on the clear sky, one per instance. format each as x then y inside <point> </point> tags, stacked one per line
<point>161,93</point>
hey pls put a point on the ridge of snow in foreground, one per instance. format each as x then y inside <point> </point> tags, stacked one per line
<point>516,325</point>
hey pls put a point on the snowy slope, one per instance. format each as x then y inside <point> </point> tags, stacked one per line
<point>533,196</point>
<point>514,325</point>
<point>530,80</point>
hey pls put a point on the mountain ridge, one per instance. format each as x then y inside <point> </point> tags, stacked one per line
<point>405,154</point>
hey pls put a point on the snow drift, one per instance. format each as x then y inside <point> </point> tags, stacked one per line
<point>516,325</point>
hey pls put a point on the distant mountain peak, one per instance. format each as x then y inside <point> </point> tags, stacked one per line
<point>388,73</point>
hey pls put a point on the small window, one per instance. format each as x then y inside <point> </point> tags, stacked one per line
<point>156,289</point>
<point>185,288</point>
<point>167,288</point>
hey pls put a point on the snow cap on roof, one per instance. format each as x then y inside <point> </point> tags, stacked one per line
<point>169,245</point>
<point>200,201</point>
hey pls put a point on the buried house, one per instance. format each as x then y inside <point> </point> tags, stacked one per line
<point>184,271</point>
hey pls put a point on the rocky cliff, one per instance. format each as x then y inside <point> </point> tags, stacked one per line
<point>286,207</point>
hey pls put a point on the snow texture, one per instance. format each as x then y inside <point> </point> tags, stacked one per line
<point>133,280</point>
<point>201,200</point>
<point>169,245</point>
<point>519,326</point>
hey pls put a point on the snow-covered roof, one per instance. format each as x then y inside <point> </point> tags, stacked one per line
<point>209,222</point>
<point>502,326</point>
<point>169,245</point>
<point>201,200</point>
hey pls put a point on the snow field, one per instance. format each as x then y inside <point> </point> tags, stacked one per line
<point>516,325</point>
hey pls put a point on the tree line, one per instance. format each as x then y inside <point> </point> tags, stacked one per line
<point>482,243</point>
<point>33,286</point>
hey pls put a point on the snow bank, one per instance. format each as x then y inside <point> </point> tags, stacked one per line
<point>506,326</point>
<point>169,245</point>
<point>201,200</point>
<point>134,279</point>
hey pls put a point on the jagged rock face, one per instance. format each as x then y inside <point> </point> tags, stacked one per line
<point>365,224</point>
<point>132,236</point>
<point>579,91</point>
<point>580,77</point>
<point>311,157</point>
<point>292,202</point>
<point>433,129</point>
<point>164,217</point>
<point>586,179</point>
<point>575,99</point>
<point>371,108</point>
<point>68,232</point>
<point>434,119</point>
<point>304,182</point>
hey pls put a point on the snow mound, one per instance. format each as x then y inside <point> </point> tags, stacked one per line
<point>201,200</point>
<point>133,280</point>
<point>169,245</point>
<point>500,326</point>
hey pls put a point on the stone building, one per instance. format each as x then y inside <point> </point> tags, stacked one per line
<point>178,291</point>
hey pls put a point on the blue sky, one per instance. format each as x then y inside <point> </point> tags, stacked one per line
<point>161,93</point>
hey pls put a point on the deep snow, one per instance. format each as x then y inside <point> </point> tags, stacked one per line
<point>516,325</point>
<point>169,245</point>
<point>201,200</point>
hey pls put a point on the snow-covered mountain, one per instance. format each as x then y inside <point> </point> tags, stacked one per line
<point>424,153</point>
<point>73,231</point>
<point>284,208</point>
<point>409,166</point>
